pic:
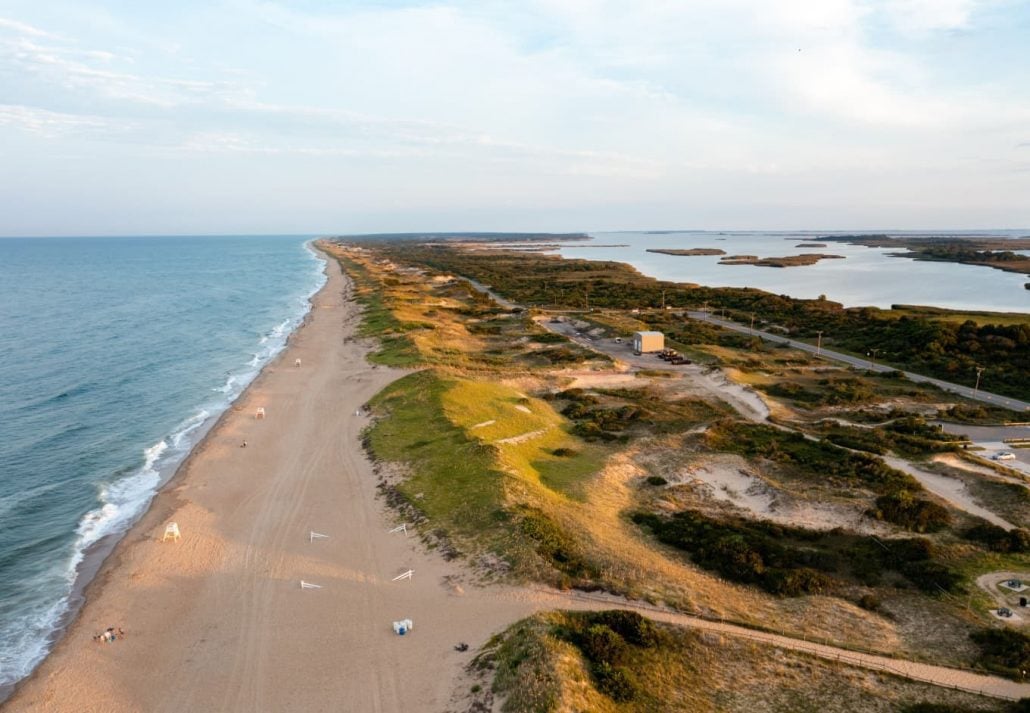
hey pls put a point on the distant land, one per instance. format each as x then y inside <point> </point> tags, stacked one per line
<point>458,237</point>
<point>788,261</point>
<point>985,251</point>
<point>691,252</point>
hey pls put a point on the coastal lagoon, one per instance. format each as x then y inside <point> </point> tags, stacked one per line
<point>116,355</point>
<point>865,277</point>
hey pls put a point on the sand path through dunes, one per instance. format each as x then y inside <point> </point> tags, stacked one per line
<point>218,621</point>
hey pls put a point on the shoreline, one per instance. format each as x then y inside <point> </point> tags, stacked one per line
<point>100,558</point>
<point>219,621</point>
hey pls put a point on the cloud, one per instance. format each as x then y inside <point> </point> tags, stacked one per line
<point>52,124</point>
<point>26,30</point>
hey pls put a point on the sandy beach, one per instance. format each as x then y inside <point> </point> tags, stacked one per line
<point>218,620</point>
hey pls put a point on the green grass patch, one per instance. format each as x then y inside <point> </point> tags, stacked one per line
<point>531,439</point>
<point>455,479</point>
<point>378,321</point>
<point>484,469</point>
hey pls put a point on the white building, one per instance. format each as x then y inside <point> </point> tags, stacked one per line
<point>645,342</point>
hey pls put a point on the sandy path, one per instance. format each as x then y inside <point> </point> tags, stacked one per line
<point>218,621</point>
<point>953,490</point>
<point>937,675</point>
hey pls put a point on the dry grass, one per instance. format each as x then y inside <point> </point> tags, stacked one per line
<point>534,667</point>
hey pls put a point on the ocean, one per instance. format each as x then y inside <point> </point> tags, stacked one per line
<point>116,356</point>
<point>865,277</point>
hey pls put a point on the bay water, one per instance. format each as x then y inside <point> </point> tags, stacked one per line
<point>865,277</point>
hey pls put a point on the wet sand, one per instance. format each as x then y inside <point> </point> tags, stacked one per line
<point>218,620</point>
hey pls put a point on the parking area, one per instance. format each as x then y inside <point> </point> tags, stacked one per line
<point>606,345</point>
<point>992,440</point>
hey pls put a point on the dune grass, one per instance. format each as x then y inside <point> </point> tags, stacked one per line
<point>377,319</point>
<point>591,661</point>
<point>488,489</point>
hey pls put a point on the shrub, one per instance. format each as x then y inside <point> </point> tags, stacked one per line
<point>1004,650</point>
<point>932,576</point>
<point>565,452</point>
<point>903,508</point>
<point>998,539</point>
<point>869,602</point>
<point>630,625</point>
<point>553,543</point>
<point>616,682</point>
<point>601,644</point>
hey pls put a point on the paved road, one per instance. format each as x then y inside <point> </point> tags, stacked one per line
<point>981,395</point>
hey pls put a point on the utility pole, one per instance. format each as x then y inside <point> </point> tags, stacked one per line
<point>752,324</point>
<point>819,343</point>
<point>872,356</point>
<point>586,296</point>
<point>705,311</point>
<point>979,371</point>
<point>663,300</point>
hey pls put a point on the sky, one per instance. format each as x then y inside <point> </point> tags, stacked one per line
<point>249,116</point>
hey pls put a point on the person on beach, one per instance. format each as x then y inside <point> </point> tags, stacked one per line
<point>243,445</point>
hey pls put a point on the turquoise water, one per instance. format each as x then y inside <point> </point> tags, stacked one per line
<point>865,277</point>
<point>116,354</point>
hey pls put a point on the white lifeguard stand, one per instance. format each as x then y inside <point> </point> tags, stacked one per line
<point>260,413</point>
<point>402,627</point>
<point>296,362</point>
<point>172,532</point>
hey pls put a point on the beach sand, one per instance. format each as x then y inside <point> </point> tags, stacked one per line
<point>218,621</point>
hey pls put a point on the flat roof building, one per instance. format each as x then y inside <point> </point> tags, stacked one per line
<point>645,342</point>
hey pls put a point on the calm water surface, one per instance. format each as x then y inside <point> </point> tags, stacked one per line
<point>865,277</point>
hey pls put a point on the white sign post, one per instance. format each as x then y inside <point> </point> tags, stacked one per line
<point>316,535</point>
<point>400,528</point>
<point>406,575</point>
<point>309,585</point>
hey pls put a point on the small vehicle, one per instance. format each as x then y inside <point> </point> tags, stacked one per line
<point>618,340</point>
<point>1005,612</point>
<point>1004,455</point>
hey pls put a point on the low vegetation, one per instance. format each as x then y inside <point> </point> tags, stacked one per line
<point>620,662</point>
<point>792,561</point>
<point>941,347</point>
<point>1005,651</point>
<point>905,435</point>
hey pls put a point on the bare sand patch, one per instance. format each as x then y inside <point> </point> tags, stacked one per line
<point>952,490</point>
